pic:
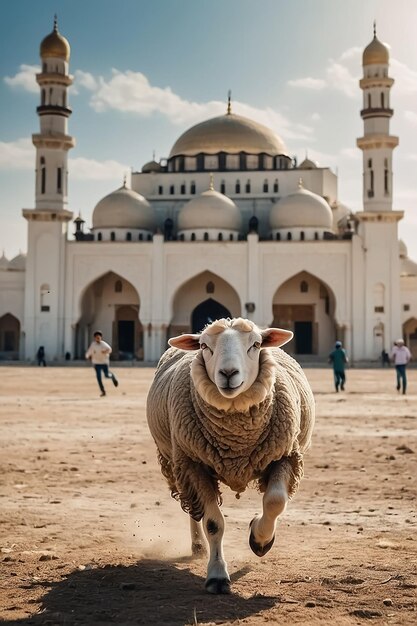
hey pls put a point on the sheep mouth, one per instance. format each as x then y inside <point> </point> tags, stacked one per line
<point>230,390</point>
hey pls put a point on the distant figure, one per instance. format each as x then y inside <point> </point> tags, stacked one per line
<point>99,353</point>
<point>385,360</point>
<point>40,355</point>
<point>339,359</point>
<point>401,356</point>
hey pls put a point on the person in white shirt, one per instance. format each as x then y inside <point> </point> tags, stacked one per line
<point>99,353</point>
<point>401,355</point>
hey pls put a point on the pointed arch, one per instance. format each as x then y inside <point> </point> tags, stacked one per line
<point>308,311</point>
<point>410,335</point>
<point>9,337</point>
<point>115,312</point>
<point>223,301</point>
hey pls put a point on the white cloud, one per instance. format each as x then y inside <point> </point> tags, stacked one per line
<point>405,78</point>
<point>316,117</point>
<point>85,79</point>
<point>81,168</point>
<point>25,78</point>
<point>411,117</point>
<point>17,155</point>
<point>308,83</point>
<point>340,78</point>
<point>351,54</point>
<point>131,92</point>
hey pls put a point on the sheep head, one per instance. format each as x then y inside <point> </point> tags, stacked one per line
<point>231,353</point>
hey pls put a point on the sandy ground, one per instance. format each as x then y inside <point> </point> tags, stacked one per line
<point>89,534</point>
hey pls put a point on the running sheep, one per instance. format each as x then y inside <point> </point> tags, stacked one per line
<point>228,405</point>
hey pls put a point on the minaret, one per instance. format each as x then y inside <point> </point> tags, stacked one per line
<point>376,144</point>
<point>48,221</point>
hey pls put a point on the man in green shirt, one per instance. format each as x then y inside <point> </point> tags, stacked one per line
<point>339,359</point>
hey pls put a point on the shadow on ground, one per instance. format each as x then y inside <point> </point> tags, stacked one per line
<point>151,592</point>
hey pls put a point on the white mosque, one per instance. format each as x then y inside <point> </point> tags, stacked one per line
<point>227,225</point>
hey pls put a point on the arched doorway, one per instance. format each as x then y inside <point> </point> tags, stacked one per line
<point>203,296</point>
<point>112,305</point>
<point>9,337</point>
<point>410,336</point>
<point>306,305</point>
<point>206,312</point>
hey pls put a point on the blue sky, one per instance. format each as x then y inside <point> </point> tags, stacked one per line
<point>145,71</point>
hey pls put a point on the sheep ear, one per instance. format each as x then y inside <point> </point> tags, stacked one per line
<point>275,337</point>
<point>185,342</point>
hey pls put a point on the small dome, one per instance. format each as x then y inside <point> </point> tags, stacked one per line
<point>55,45</point>
<point>124,208</point>
<point>18,264</point>
<point>4,263</point>
<point>210,209</point>
<point>376,53</point>
<point>302,209</point>
<point>228,133</point>
<point>308,164</point>
<point>408,267</point>
<point>402,249</point>
<point>151,166</point>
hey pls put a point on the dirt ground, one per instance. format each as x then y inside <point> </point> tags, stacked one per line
<point>89,534</point>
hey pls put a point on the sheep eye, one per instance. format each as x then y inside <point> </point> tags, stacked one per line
<point>257,344</point>
<point>203,346</point>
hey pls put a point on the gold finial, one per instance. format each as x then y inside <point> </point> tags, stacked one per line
<point>211,186</point>
<point>229,102</point>
<point>153,155</point>
<point>374,29</point>
<point>124,181</point>
<point>55,23</point>
<point>300,183</point>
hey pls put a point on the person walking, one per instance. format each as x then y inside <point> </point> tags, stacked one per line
<point>401,356</point>
<point>339,360</point>
<point>40,355</point>
<point>99,353</point>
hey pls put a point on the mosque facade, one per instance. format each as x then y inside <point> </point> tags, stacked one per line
<point>227,225</point>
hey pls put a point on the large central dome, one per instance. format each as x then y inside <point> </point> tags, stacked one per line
<point>228,133</point>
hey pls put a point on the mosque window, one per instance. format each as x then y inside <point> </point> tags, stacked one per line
<point>379,309</point>
<point>50,95</point>
<point>171,166</point>
<point>276,186</point>
<point>302,235</point>
<point>59,180</point>
<point>183,188</point>
<point>112,236</point>
<point>206,236</point>
<point>266,186</point>
<point>220,237</point>
<point>406,307</point>
<point>172,190</point>
<point>247,186</point>
<point>45,292</point>
<point>369,101</point>
<point>128,236</point>
<point>44,67</point>
<point>140,237</point>
<point>369,163</point>
<point>211,162</point>
<point>210,287</point>
<point>237,187</point>
<point>371,184</point>
<point>304,286</point>
<point>43,179</point>
<point>64,99</point>
<point>386,191</point>
<point>118,286</point>
<point>316,236</point>
<point>149,237</point>
<point>223,187</point>
<point>278,236</point>
<point>231,237</point>
<point>190,164</point>
<point>382,101</point>
<point>192,187</point>
<point>99,236</point>
<point>252,161</point>
<point>268,162</point>
<point>160,190</point>
<point>232,161</point>
<point>181,237</point>
<point>289,236</point>
<point>192,236</point>
<point>43,97</point>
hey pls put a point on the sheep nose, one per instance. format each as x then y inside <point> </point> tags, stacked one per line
<point>228,373</point>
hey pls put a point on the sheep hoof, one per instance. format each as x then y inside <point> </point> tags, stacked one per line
<point>198,550</point>
<point>257,548</point>
<point>218,585</point>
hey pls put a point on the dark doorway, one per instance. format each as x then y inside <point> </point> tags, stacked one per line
<point>207,312</point>
<point>303,332</point>
<point>126,333</point>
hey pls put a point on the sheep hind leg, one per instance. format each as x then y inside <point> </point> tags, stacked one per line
<point>218,580</point>
<point>198,543</point>
<point>262,528</point>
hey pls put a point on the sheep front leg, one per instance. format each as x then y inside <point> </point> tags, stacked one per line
<point>198,547</point>
<point>199,495</point>
<point>281,482</point>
